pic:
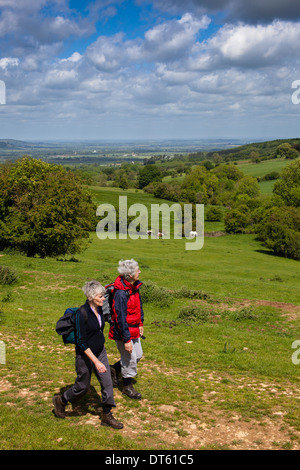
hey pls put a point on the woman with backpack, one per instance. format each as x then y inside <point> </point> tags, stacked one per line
<point>90,355</point>
<point>127,325</point>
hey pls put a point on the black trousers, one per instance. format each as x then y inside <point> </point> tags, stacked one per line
<point>84,369</point>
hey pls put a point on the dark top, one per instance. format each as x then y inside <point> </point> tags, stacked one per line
<point>88,333</point>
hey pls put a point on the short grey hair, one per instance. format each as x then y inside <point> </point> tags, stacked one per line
<point>92,289</point>
<point>127,268</point>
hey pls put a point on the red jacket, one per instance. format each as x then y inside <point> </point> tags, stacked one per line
<point>128,313</point>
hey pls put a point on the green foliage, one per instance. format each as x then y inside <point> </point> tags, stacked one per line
<point>214,214</point>
<point>279,230</point>
<point>148,174</point>
<point>44,210</point>
<point>287,151</point>
<point>7,275</point>
<point>238,220</point>
<point>194,314</point>
<point>185,292</point>
<point>288,185</point>
<point>160,296</point>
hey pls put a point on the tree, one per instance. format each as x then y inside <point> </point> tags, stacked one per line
<point>279,230</point>
<point>238,220</point>
<point>148,174</point>
<point>287,151</point>
<point>44,210</point>
<point>288,185</point>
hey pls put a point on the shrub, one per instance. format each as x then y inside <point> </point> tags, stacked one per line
<point>214,214</point>
<point>246,313</point>
<point>185,292</point>
<point>151,292</point>
<point>7,275</point>
<point>238,220</point>
<point>279,230</point>
<point>194,313</point>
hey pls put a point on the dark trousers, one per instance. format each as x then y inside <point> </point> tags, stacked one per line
<point>84,369</point>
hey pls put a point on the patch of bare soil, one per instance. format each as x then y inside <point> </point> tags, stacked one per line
<point>292,311</point>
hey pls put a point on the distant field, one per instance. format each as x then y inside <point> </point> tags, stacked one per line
<point>263,168</point>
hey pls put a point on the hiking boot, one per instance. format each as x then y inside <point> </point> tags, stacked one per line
<point>59,407</point>
<point>109,420</point>
<point>114,376</point>
<point>131,392</point>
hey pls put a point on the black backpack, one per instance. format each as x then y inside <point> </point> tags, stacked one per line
<point>66,324</point>
<point>108,302</point>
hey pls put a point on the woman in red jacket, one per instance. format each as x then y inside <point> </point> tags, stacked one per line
<point>127,324</point>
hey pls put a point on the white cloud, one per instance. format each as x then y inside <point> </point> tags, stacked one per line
<point>9,62</point>
<point>257,46</point>
<point>171,75</point>
<point>60,78</point>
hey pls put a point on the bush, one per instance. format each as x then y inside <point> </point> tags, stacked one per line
<point>246,313</point>
<point>279,230</point>
<point>185,292</point>
<point>238,220</point>
<point>214,214</point>
<point>7,276</point>
<point>194,314</point>
<point>160,296</point>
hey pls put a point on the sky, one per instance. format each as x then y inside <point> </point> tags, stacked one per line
<point>149,69</point>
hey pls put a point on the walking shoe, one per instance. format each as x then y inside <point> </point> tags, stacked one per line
<point>109,420</point>
<point>59,407</point>
<point>131,392</point>
<point>114,376</point>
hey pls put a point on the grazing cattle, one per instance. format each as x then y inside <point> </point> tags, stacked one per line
<point>160,235</point>
<point>193,234</point>
<point>149,232</point>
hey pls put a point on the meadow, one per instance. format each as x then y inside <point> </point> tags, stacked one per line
<point>218,369</point>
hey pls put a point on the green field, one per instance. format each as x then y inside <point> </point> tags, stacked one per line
<point>223,380</point>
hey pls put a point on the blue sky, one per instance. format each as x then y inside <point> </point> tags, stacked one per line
<point>149,69</point>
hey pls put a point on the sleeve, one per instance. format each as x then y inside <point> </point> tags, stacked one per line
<point>81,331</point>
<point>120,306</point>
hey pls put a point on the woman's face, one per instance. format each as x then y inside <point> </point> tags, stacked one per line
<point>136,275</point>
<point>98,300</point>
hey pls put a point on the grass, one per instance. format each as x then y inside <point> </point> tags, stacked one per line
<point>227,369</point>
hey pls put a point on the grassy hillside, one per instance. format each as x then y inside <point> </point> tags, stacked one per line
<point>220,378</point>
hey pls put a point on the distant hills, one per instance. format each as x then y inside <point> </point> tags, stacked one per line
<point>109,151</point>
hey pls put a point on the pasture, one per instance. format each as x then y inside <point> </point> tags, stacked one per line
<point>218,369</point>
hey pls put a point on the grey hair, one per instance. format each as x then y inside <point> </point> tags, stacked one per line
<point>92,289</point>
<point>127,268</point>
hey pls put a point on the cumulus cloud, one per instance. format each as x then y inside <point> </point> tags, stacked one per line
<point>170,72</point>
<point>253,11</point>
<point>251,46</point>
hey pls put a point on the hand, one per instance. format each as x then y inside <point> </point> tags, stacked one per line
<point>141,330</point>
<point>128,347</point>
<point>100,367</point>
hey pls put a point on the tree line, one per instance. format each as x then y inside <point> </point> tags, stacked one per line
<point>45,209</point>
